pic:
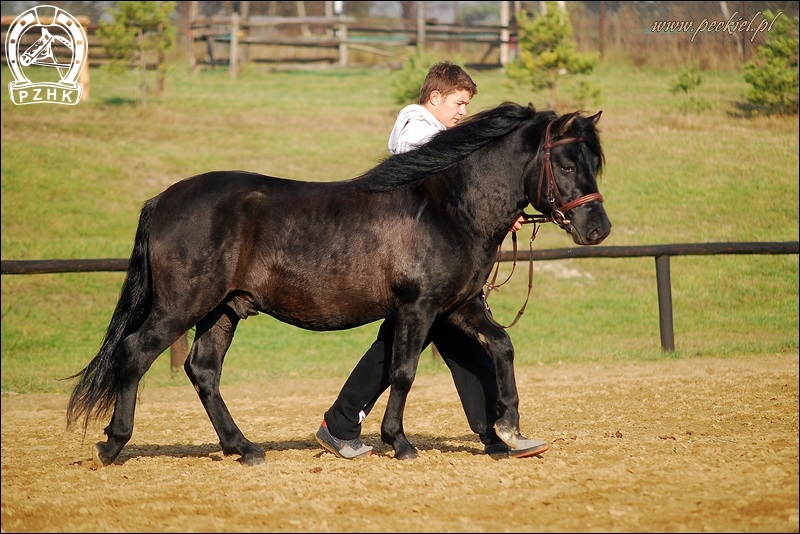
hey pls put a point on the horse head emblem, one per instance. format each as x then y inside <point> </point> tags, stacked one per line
<point>57,28</point>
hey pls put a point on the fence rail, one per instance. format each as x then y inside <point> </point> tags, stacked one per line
<point>661,253</point>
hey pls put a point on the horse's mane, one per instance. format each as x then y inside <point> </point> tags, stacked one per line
<point>446,148</point>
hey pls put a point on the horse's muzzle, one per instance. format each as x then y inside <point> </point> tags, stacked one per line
<point>594,236</point>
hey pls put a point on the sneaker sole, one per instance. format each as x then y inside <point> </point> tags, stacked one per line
<point>328,448</point>
<point>529,452</point>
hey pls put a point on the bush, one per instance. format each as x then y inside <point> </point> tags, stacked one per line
<point>407,82</point>
<point>687,82</point>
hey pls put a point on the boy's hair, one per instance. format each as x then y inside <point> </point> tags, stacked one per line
<point>447,78</point>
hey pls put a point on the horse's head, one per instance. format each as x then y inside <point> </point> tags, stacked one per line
<point>563,184</point>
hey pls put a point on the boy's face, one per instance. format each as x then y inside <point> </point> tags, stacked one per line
<point>451,108</point>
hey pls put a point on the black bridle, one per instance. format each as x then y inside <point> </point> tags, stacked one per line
<point>558,211</point>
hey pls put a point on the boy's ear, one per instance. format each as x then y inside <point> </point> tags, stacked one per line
<point>435,97</point>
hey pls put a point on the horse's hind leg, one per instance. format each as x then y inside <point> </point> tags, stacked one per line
<point>470,322</point>
<point>204,367</point>
<point>498,344</point>
<point>136,353</point>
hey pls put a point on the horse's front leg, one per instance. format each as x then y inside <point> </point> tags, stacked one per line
<point>213,337</point>
<point>411,330</point>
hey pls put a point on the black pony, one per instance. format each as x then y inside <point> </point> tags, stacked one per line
<point>414,238</point>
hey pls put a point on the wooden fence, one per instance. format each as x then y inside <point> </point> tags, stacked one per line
<point>661,253</point>
<point>240,37</point>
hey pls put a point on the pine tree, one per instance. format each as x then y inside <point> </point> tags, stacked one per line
<point>137,30</point>
<point>547,53</point>
<point>773,74</point>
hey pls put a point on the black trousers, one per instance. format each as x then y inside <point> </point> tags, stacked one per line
<point>473,373</point>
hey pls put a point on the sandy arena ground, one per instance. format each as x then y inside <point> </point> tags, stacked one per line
<point>680,445</point>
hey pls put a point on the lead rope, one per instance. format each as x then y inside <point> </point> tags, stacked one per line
<point>491,286</point>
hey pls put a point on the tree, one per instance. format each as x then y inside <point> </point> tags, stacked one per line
<point>547,52</point>
<point>773,74</point>
<point>137,31</point>
<point>686,82</point>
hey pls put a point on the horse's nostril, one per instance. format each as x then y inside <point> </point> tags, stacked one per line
<point>596,235</point>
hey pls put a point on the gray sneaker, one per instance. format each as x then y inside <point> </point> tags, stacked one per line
<point>525,448</point>
<point>343,448</point>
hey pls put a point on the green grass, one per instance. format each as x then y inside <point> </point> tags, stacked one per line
<point>74,178</point>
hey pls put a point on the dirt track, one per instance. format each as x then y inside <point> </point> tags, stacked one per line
<point>681,445</point>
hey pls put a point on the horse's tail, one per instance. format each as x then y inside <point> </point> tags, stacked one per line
<point>96,390</point>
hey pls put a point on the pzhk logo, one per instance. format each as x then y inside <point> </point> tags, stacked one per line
<point>61,47</point>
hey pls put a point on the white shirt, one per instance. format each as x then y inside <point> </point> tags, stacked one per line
<point>414,126</point>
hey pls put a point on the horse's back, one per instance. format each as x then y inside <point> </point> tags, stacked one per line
<point>218,188</point>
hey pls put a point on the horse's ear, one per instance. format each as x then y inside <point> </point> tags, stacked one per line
<point>568,124</point>
<point>596,117</point>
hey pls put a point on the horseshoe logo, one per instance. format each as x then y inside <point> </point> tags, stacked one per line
<point>56,26</point>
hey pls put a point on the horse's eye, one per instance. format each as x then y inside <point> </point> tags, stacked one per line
<point>567,169</point>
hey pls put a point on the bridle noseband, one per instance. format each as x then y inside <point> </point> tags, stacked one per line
<point>558,210</point>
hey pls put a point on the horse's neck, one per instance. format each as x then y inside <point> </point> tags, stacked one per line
<point>482,206</point>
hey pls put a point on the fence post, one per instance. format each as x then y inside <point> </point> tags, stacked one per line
<point>505,20</point>
<point>234,43</point>
<point>342,34</point>
<point>421,27</point>
<point>665,303</point>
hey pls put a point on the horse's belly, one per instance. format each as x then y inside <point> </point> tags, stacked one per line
<point>333,318</point>
<point>326,306</point>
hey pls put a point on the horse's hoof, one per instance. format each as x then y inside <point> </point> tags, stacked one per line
<point>99,458</point>
<point>252,455</point>
<point>253,459</point>
<point>510,436</point>
<point>406,454</point>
